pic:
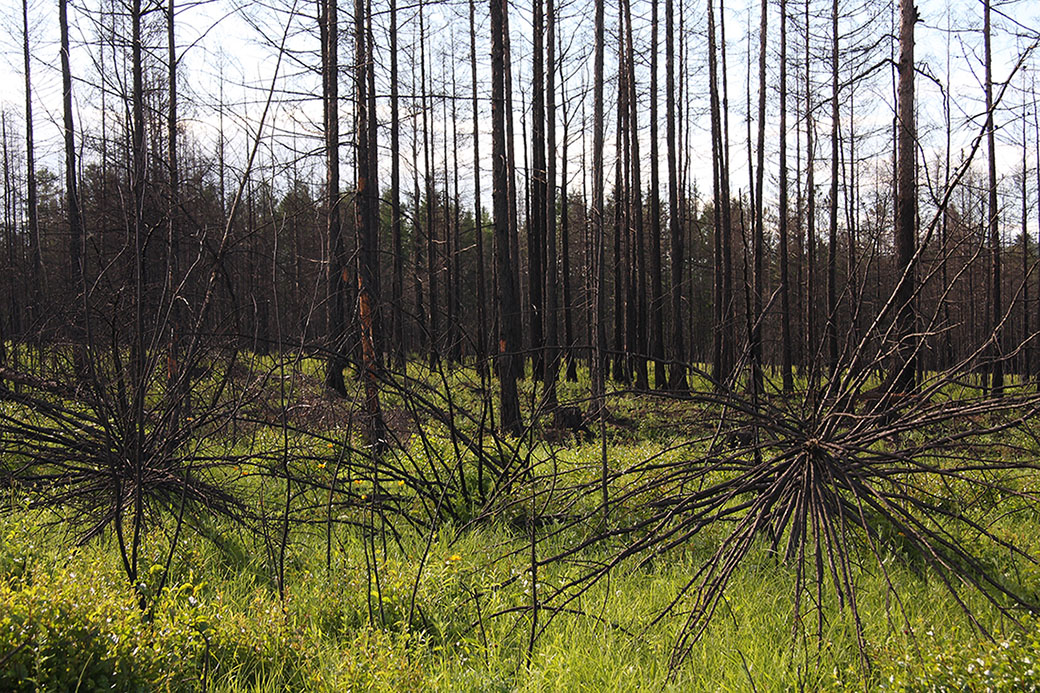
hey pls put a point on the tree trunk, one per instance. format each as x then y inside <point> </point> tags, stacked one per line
<point>77,233</point>
<point>639,345</point>
<point>552,300</point>
<point>478,220</point>
<point>417,229</point>
<point>993,222</point>
<point>620,370</point>
<point>718,292</point>
<point>509,304</point>
<point>1027,350</point>
<point>1036,153</point>
<point>786,356</point>
<point>432,256</point>
<point>832,229</point>
<point>598,375</point>
<point>514,230</point>
<point>366,223</point>
<point>656,284</point>
<point>565,248</point>
<point>811,347</point>
<point>35,248</point>
<point>337,258</point>
<point>537,217</point>
<point>906,204</point>
<point>729,318</point>
<point>758,238</point>
<point>451,225</point>
<point>11,325</point>
<point>397,249</point>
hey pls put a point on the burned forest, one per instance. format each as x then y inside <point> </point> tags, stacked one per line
<point>541,345</point>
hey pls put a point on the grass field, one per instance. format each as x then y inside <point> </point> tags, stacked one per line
<point>327,585</point>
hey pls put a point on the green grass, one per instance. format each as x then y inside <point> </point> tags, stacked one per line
<point>404,609</point>
<point>221,617</point>
<point>224,620</point>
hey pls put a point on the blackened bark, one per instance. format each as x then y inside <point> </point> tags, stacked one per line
<point>906,203</point>
<point>993,222</point>
<point>677,377</point>
<point>478,221</point>
<point>338,274</point>
<point>786,356</point>
<point>509,303</point>
<point>366,223</point>
<point>397,348</point>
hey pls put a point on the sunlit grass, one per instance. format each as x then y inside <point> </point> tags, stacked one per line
<point>221,617</point>
<point>371,604</point>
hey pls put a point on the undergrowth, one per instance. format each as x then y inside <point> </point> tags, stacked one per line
<point>443,601</point>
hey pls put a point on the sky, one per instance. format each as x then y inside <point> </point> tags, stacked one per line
<point>221,42</point>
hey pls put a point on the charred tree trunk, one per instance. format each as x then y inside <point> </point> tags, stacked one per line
<point>906,205</point>
<point>565,258</point>
<point>509,303</point>
<point>537,217</point>
<point>638,346</point>
<point>432,256</point>
<point>32,212</point>
<point>552,299</point>
<point>338,278</point>
<point>366,223</point>
<point>656,285</point>
<point>478,221</point>
<point>397,349</point>
<point>811,347</point>
<point>993,222</point>
<point>77,234</point>
<point>758,239</point>
<point>786,356</point>
<point>832,228</point>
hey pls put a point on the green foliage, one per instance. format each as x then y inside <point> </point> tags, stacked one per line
<point>69,622</point>
<point>438,596</point>
<point>954,662</point>
<point>79,631</point>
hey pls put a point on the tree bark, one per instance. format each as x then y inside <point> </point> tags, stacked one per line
<point>552,299</point>
<point>993,222</point>
<point>432,256</point>
<point>832,229</point>
<point>786,356</point>
<point>338,278</point>
<point>811,347</point>
<point>565,248</point>
<point>397,243</point>
<point>35,247</point>
<point>478,220</point>
<point>598,374</point>
<point>906,204</point>
<point>537,217</point>
<point>656,283</point>
<point>758,239</point>
<point>366,216</point>
<point>509,304</point>
<point>639,346</point>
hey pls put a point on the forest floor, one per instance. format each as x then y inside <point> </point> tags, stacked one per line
<point>397,603</point>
